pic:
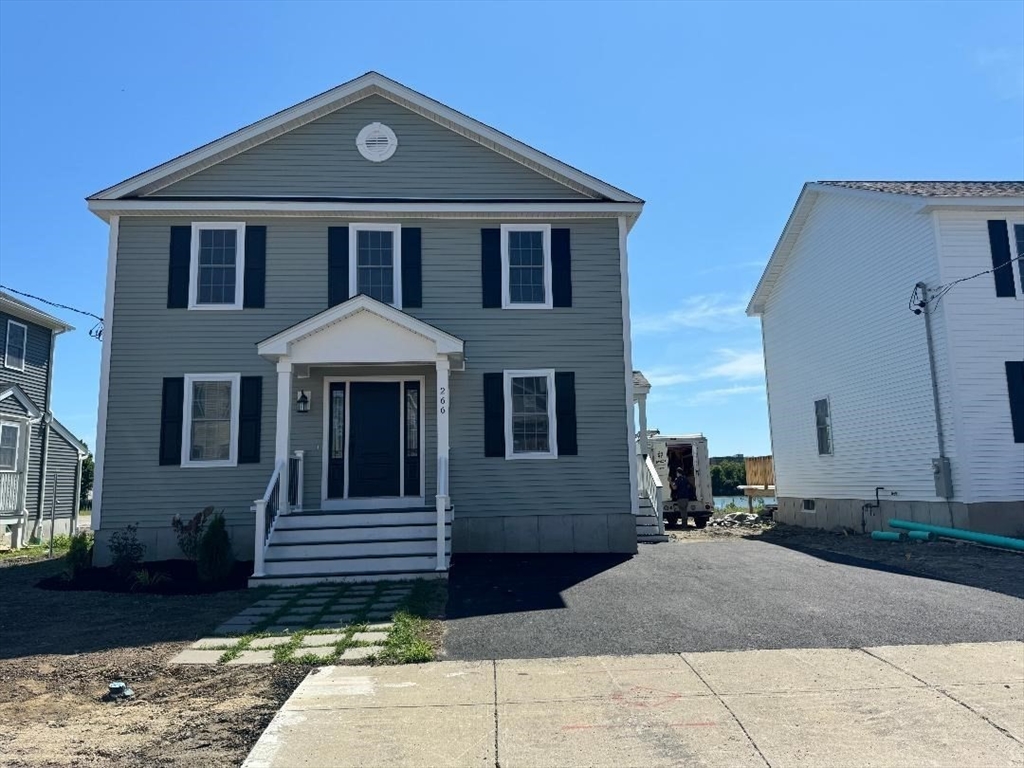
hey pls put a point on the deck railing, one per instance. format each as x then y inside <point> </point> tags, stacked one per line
<point>267,510</point>
<point>651,489</point>
<point>10,491</point>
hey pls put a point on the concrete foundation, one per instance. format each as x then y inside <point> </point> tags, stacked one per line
<point>1003,518</point>
<point>162,544</point>
<point>545,533</point>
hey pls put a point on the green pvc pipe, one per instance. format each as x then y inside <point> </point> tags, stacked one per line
<point>921,536</point>
<point>989,539</point>
<point>888,535</point>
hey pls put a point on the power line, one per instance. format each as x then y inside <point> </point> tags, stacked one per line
<point>96,331</point>
<point>916,305</point>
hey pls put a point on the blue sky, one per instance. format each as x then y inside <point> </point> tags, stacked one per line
<point>713,113</point>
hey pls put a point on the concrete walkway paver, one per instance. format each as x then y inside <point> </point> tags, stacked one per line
<point>861,707</point>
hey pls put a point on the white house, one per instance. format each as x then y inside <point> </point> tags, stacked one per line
<point>870,417</point>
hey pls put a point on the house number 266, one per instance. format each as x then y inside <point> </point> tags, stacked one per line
<point>442,400</point>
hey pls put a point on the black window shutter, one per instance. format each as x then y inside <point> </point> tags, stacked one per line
<point>1015,385</point>
<point>170,420</point>
<point>337,265</point>
<point>412,267</point>
<point>561,269</point>
<point>250,417</point>
<point>490,269</point>
<point>494,414</point>
<point>254,291</point>
<point>178,267</point>
<point>565,412</point>
<point>999,242</point>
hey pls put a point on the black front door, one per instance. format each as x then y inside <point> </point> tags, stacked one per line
<point>374,462</point>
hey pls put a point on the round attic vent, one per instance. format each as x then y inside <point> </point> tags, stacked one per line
<point>376,142</point>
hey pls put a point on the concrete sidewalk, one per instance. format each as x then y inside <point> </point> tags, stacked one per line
<point>944,705</point>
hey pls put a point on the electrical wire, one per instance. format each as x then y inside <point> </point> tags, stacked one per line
<point>95,332</point>
<point>916,304</point>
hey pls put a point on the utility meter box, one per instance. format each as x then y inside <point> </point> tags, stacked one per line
<point>943,478</point>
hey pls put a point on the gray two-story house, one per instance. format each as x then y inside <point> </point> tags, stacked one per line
<point>373,331</point>
<point>40,459</point>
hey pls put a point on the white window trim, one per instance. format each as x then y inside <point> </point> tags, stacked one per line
<point>24,344</point>
<point>186,422</point>
<point>17,445</point>
<point>831,435</point>
<point>353,257</point>
<point>548,373</point>
<point>545,229</point>
<point>1017,268</point>
<point>193,265</point>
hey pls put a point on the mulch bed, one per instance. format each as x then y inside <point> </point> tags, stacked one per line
<point>180,577</point>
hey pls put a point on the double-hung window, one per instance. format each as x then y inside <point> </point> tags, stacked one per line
<point>375,262</point>
<point>530,415</point>
<point>8,447</point>
<point>217,266</point>
<point>210,423</point>
<point>526,266</point>
<point>15,343</point>
<point>1017,253</point>
<point>823,426</point>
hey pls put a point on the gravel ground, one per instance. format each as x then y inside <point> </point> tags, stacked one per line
<point>60,649</point>
<point>733,589</point>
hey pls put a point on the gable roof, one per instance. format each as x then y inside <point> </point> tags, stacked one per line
<point>922,195</point>
<point>73,441</point>
<point>372,83</point>
<point>19,308</point>
<point>13,390</point>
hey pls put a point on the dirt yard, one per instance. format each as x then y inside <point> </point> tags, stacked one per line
<point>59,651</point>
<point>960,562</point>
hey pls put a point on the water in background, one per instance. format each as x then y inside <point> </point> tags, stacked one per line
<point>739,501</point>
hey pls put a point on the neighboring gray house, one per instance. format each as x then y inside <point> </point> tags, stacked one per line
<point>37,453</point>
<point>373,331</point>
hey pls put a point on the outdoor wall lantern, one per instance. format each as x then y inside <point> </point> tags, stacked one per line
<point>302,401</point>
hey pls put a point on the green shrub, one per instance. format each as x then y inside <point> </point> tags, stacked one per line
<point>191,533</point>
<point>214,556</point>
<point>144,580</point>
<point>79,556</point>
<point>126,551</point>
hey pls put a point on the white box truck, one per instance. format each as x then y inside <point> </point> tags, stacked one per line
<point>687,455</point>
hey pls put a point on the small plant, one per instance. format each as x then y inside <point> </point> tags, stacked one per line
<point>144,580</point>
<point>126,550</point>
<point>79,556</point>
<point>214,555</point>
<point>191,533</point>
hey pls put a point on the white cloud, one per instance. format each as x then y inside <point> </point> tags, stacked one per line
<point>730,364</point>
<point>712,312</point>
<point>718,395</point>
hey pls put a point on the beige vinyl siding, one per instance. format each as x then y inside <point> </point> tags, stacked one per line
<point>320,159</point>
<point>151,342</point>
<point>837,325</point>
<point>984,331</point>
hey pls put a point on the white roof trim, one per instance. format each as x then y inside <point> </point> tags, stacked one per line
<point>370,84</point>
<point>20,309</point>
<point>13,390</point>
<point>279,344</point>
<point>75,443</point>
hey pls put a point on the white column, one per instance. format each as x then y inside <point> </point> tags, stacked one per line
<point>443,407</point>
<point>644,446</point>
<point>284,426</point>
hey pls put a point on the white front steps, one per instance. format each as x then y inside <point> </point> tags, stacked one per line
<point>359,545</point>
<point>647,529</point>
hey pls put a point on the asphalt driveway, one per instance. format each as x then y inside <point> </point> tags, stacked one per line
<point>723,595</point>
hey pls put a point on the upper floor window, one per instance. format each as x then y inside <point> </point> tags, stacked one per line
<point>1017,252</point>
<point>16,342</point>
<point>530,414</point>
<point>211,420</point>
<point>526,266</point>
<point>823,426</point>
<point>217,266</point>
<point>375,267</point>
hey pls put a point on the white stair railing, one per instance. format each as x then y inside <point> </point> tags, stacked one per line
<point>266,509</point>
<point>10,491</point>
<point>651,488</point>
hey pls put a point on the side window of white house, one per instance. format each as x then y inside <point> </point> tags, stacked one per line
<point>526,266</point>
<point>15,343</point>
<point>8,447</point>
<point>530,415</point>
<point>823,426</point>
<point>217,266</point>
<point>375,263</point>
<point>210,420</point>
